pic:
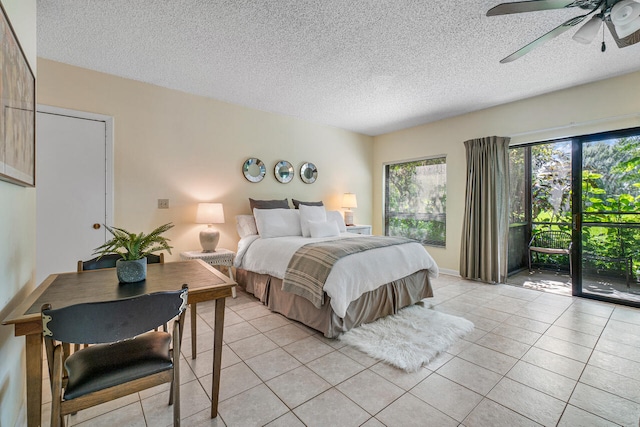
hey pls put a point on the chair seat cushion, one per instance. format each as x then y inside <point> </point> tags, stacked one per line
<point>106,365</point>
<point>549,250</point>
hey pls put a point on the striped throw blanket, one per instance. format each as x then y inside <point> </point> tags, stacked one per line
<point>310,266</point>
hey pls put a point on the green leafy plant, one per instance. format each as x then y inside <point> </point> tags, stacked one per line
<point>134,246</point>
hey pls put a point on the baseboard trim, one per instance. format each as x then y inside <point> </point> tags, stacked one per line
<point>450,272</point>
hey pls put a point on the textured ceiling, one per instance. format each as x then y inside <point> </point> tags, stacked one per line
<point>369,66</point>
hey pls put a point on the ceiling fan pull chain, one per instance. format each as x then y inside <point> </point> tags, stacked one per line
<point>604,46</point>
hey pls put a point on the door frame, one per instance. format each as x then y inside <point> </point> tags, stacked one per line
<point>108,153</point>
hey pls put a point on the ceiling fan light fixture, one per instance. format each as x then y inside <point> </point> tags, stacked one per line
<point>625,16</point>
<point>588,31</point>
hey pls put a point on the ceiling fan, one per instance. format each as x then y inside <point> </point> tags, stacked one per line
<point>622,17</point>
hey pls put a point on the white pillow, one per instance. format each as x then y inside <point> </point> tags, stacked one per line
<point>246,225</point>
<point>324,229</point>
<point>310,213</point>
<point>277,222</point>
<point>337,217</point>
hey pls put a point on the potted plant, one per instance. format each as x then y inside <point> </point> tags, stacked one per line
<point>133,248</point>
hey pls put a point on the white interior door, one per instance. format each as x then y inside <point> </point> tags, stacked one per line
<point>73,188</point>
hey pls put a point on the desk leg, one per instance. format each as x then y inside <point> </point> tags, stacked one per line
<point>34,379</point>
<point>233,290</point>
<point>193,331</point>
<point>217,355</point>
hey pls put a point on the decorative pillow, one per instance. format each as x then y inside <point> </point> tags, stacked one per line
<point>277,222</point>
<point>246,225</point>
<point>337,217</point>
<point>268,204</point>
<point>323,229</point>
<point>310,213</point>
<point>297,203</point>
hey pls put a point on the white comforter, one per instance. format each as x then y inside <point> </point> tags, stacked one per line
<point>350,277</point>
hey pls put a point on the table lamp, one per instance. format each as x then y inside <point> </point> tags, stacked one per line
<point>209,213</point>
<point>348,202</point>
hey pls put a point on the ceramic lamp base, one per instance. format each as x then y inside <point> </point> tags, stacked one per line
<point>209,238</point>
<point>348,218</point>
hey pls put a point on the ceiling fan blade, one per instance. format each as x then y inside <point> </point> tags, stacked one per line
<point>531,6</point>
<point>543,39</point>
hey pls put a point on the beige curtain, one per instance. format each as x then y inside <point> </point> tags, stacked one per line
<point>485,230</point>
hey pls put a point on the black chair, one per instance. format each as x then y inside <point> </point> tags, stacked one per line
<point>109,261</point>
<point>125,358</point>
<point>551,242</point>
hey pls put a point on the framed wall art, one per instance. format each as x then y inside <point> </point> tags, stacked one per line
<point>17,112</point>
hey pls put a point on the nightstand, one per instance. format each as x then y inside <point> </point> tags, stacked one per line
<point>220,257</point>
<point>359,229</point>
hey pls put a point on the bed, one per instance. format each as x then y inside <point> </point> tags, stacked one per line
<point>360,285</point>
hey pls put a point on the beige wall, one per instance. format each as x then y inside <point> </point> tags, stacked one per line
<point>186,148</point>
<point>605,105</point>
<point>17,247</point>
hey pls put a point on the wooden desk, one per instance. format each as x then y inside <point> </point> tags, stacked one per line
<point>60,290</point>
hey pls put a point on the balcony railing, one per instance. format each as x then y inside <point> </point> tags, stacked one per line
<point>610,250</point>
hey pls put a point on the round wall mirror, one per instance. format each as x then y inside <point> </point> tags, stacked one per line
<point>254,170</point>
<point>308,173</point>
<point>284,171</point>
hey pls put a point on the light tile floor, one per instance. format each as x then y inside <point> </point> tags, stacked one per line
<point>534,359</point>
<point>560,283</point>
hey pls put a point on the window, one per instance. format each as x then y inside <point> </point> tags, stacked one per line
<point>519,160</point>
<point>415,200</point>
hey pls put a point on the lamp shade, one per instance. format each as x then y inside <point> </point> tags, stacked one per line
<point>349,201</point>
<point>588,31</point>
<point>625,16</point>
<point>210,213</point>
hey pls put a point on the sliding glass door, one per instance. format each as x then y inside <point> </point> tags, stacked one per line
<point>584,191</point>
<point>540,202</point>
<point>607,216</point>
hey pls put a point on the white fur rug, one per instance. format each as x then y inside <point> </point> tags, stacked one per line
<point>409,339</point>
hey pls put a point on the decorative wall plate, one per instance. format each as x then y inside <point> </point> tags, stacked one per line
<point>308,173</point>
<point>254,170</point>
<point>284,171</point>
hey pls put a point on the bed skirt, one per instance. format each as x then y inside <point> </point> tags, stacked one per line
<point>385,300</point>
